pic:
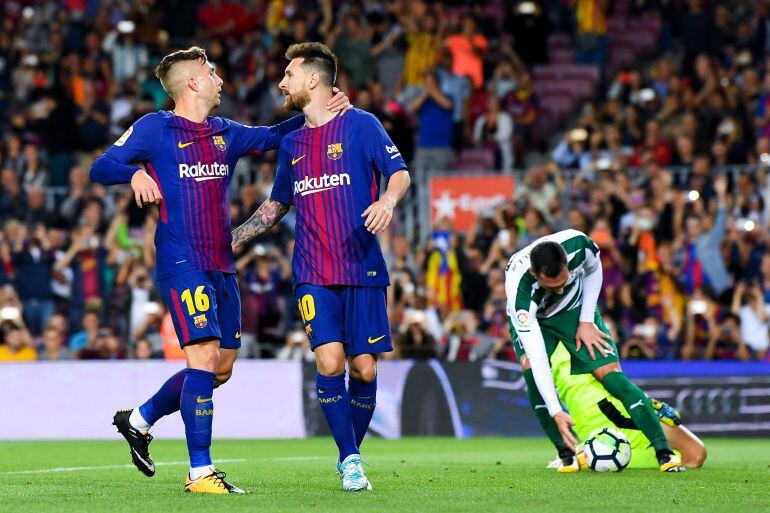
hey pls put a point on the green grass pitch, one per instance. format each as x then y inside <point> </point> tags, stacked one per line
<point>408,475</point>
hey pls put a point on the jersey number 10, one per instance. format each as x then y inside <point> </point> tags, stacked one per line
<point>306,308</point>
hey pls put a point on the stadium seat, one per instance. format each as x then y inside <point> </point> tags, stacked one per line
<point>475,158</point>
<point>562,56</point>
<point>544,73</point>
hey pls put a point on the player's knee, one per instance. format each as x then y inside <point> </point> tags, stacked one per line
<point>601,372</point>
<point>364,373</point>
<point>329,366</point>
<point>204,356</point>
<point>695,458</point>
<point>223,377</point>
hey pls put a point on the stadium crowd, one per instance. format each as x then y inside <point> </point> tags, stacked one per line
<point>666,169</point>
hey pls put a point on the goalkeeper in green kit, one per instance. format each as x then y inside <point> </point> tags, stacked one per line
<point>593,408</point>
<point>552,287</point>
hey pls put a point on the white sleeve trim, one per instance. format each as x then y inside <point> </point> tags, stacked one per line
<point>531,338</point>
<point>592,286</point>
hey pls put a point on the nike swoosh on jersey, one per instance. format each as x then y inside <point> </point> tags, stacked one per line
<point>294,161</point>
<point>375,340</point>
<point>181,145</point>
<point>202,400</point>
<point>238,335</point>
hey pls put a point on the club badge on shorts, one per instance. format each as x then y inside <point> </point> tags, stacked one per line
<point>200,321</point>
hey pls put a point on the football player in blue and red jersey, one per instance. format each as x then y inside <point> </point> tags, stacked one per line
<point>183,160</point>
<point>330,170</point>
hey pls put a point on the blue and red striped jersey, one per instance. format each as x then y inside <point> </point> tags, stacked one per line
<point>192,163</point>
<point>331,174</point>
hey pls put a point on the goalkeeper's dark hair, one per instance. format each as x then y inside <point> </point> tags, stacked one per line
<point>548,259</point>
<point>317,57</point>
<point>162,70</point>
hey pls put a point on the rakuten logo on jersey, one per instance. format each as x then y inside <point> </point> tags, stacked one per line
<point>202,172</point>
<point>321,183</point>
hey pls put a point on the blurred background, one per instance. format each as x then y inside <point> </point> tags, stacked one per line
<point>644,123</point>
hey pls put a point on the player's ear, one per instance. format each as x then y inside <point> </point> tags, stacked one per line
<point>192,83</point>
<point>313,80</point>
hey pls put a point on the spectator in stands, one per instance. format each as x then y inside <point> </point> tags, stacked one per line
<point>13,201</point>
<point>494,130</point>
<point>53,347</point>
<point>297,347</point>
<point>528,25</point>
<point>523,104</point>
<point>458,89</point>
<point>753,316</point>
<point>352,44</point>
<point>414,341</point>
<point>86,337</point>
<point>128,55</point>
<point>220,18</point>
<point>591,41</point>
<point>423,38</point>
<point>701,323</point>
<point>105,346</point>
<point>726,342</point>
<point>92,119</point>
<point>33,174</point>
<point>696,25</point>
<point>537,189</point>
<point>434,140</point>
<point>468,48</point>
<point>33,265</point>
<point>701,258</point>
<point>17,346</point>
<point>37,208</point>
<point>145,351</point>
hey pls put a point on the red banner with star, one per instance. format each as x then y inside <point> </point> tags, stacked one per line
<point>462,199</point>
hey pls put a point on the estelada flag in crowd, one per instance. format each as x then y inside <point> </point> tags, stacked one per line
<point>462,199</point>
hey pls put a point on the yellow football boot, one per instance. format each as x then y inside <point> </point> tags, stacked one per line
<point>210,483</point>
<point>671,463</point>
<point>569,465</point>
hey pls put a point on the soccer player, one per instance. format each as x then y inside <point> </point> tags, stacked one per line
<point>330,171</point>
<point>593,408</point>
<point>187,161</point>
<point>552,287</point>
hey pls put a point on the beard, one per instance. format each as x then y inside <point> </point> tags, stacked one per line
<point>296,101</point>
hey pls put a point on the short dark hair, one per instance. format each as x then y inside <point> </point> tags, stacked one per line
<point>548,258</point>
<point>194,53</point>
<point>318,57</point>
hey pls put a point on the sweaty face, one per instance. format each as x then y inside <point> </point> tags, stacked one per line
<point>294,86</point>
<point>554,285</point>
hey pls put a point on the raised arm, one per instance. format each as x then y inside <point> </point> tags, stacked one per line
<point>267,215</point>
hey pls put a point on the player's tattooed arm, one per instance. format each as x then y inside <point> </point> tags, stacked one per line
<point>266,216</point>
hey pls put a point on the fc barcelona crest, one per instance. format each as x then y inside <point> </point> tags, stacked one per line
<point>334,151</point>
<point>219,142</point>
<point>200,321</point>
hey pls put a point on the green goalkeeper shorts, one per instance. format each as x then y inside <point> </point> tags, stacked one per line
<point>561,328</point>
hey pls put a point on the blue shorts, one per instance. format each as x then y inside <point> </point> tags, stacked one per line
<point>355,316</point>
<point>204,304</point>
